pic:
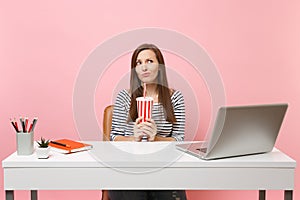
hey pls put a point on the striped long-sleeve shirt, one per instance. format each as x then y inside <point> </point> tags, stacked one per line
<point>121,126</point>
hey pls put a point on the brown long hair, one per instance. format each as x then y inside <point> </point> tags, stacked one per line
<point>136,88</point>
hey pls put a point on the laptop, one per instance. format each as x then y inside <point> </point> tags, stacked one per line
<point>239,131</point>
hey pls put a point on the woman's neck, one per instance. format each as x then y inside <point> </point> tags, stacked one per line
<point>152,92</point>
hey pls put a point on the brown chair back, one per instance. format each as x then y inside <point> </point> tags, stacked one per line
<point>107,117</point>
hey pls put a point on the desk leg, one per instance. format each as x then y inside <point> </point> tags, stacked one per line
<point>262,194</point>
<point>288,195</point>
<point>33,194</point>
<point>9,194</point>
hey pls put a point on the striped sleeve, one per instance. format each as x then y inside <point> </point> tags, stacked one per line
<point>120,114</point>
<point>178,130</point>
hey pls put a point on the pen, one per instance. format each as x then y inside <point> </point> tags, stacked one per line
<point>33,124</point>
<point>23,124</point>
<point>14,125</point>
<point>29,130</point>
<point>26,123</point>
<point>61,144</point>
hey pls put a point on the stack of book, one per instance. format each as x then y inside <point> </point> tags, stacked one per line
<point>69,146</point>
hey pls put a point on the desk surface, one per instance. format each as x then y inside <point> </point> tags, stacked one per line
<point>156,165</point>
<point>127,154</point>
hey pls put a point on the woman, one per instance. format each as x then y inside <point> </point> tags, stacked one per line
<point>168,112</point>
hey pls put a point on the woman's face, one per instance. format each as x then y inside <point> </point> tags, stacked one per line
<point>147,66</point>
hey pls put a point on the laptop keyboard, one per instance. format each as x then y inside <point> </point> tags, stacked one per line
<point>202,150</point>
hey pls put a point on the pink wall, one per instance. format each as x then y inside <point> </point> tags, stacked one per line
<point>255,45</point>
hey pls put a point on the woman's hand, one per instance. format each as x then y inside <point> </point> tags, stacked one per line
<point>147,128</point>
<point>137,130</point>
<point>150,129</point>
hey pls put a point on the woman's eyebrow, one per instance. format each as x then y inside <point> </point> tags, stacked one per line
<point>150,58</point>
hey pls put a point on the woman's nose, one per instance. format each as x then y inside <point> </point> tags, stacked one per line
<point>144,67</point>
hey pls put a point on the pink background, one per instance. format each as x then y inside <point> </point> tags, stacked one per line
<point>255,45</point>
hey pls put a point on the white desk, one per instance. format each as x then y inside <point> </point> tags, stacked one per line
<point>107,166</point>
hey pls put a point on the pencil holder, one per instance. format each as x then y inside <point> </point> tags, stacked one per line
<point>24,143</point>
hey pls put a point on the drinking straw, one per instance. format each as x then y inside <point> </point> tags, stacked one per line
<point>144,92</point>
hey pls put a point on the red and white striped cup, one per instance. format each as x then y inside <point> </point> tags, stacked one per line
<point>144,106</point>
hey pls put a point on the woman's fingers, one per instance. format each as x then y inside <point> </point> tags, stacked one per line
<point>147,128</point>
<point>138,120</point>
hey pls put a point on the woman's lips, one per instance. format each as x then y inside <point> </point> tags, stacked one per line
<point>146,74</point>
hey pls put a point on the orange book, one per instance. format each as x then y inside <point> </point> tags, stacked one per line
<point>69,146</point>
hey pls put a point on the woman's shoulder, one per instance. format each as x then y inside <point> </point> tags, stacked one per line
<point>176,96</point>
<point>124,93</point>
<point>175,93</point>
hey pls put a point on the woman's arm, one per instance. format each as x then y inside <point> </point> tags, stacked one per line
<point>160,138</point>
<point>123,138</point>
<point>120,115</point>
<point>178,130</point>
<point>119,118</point>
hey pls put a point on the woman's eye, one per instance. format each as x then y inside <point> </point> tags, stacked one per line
<point>149,61</point>
<point>138,63</point>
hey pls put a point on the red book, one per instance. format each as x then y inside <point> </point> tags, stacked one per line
<point>69,146</point>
